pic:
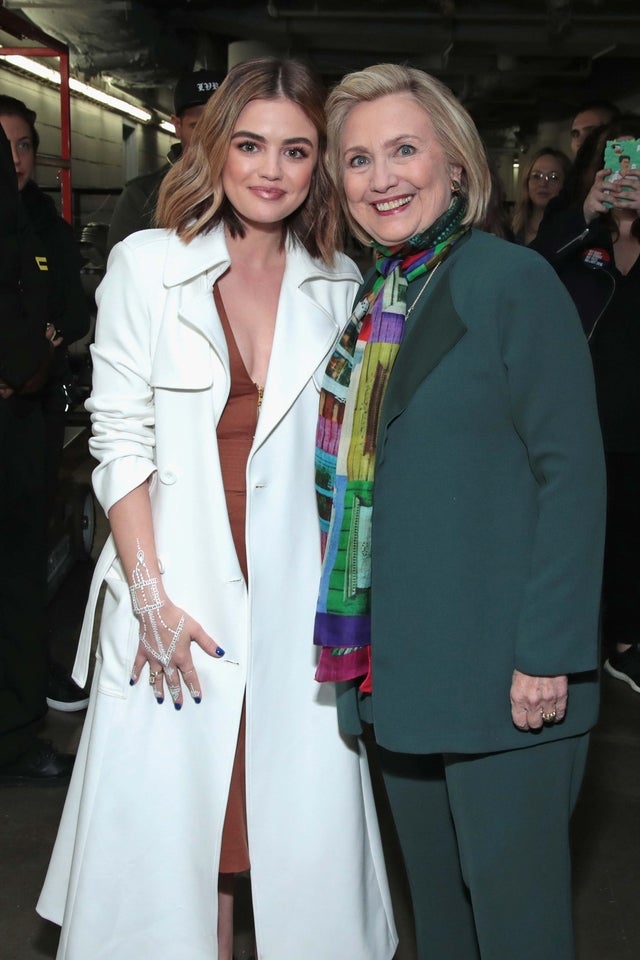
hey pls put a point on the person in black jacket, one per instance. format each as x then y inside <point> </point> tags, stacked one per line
<point>594,245</point>
<point>136,205</point>
<point>25,354</point>
<point>67,316</point>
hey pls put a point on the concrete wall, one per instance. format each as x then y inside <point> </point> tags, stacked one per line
<point>97,145</point>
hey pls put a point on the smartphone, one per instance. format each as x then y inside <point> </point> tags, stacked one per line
<point>622,158</point>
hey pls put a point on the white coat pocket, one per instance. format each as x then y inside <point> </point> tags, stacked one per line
<point>118,638</point>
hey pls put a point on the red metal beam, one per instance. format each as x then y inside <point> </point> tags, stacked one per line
<point>24,30</point>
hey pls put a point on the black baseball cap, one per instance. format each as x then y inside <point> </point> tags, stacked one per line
<point>194,89</point>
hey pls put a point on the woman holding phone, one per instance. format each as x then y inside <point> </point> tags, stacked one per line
<point>594,246</point>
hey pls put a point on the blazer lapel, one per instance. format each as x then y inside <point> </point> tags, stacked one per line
<point>435,329</point>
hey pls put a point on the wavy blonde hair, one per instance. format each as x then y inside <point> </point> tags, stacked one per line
<point>191,199</point>
<point>455,130</point>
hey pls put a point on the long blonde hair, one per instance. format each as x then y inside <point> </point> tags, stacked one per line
<point>523,207</point>
<point>453,126</point>
<point>192,200</point>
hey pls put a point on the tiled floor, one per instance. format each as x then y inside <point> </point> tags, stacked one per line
<point>606,831</point>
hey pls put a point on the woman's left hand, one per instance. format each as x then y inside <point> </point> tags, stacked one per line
<point>537,700</point>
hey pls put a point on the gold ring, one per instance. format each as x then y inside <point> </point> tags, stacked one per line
<point>548,717</point>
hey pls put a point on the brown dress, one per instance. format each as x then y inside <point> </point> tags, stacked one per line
<point>236,429</point>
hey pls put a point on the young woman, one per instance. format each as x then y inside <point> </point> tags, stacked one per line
<point>543,181</point>
<point>210,335</point>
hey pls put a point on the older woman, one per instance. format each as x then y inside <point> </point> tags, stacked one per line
<point>209,336</point>
<point>461,489</point>
<point>542,182</point>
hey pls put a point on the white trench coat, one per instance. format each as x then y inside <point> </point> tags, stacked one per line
<point>133,875</point>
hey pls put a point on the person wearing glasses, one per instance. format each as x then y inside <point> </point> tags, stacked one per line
<point>543,181</point>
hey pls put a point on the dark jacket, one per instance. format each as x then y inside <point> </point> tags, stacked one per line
<point>609,306</point>
<point>23,301</point>
<point>136,205</point>
<point>566,241</point>
<point>68,303</point>
<point>489,508</point>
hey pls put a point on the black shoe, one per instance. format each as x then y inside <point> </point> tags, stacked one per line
<point>625,666</point>
<point>62,693</point>
<point>41,765</point>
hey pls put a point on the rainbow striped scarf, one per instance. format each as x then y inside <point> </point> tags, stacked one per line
<point>350,403</point>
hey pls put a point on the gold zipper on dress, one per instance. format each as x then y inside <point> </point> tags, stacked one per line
<point>260,394</point>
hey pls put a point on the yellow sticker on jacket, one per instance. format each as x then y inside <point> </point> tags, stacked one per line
<point>42,263</point>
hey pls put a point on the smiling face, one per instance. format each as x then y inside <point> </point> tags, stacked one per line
<point>272,156</point>
<point>397,179</point>
<point>18,134</point>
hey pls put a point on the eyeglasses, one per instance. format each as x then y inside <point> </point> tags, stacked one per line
<point>549,177</point>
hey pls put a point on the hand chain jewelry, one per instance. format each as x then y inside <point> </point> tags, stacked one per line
<point>195,693</point>
<point>147,604</point>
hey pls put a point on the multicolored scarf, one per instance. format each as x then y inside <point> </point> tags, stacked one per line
<point>351,400</point>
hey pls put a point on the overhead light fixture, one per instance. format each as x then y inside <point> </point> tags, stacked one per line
<point>167,126</point>
<point>47,73</point>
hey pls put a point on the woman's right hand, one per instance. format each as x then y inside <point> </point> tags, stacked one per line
<point>600,192</point>
<point>158,632</point>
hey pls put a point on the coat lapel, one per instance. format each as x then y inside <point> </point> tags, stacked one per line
<point>306,330</point>
<point>435,329</point>
<point>307,324</point>
<point>181,360</point>
<point>197,267</point>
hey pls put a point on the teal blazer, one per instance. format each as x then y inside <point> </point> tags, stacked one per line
<point>489,510</point>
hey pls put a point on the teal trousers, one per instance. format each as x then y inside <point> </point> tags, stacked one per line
<point>485,839</point>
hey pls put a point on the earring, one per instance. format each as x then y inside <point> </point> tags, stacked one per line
<point>455,187</point>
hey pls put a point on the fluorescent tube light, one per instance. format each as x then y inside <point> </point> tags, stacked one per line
<point>47,73</point>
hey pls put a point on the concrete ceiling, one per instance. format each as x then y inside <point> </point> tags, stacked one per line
<point>514,63</point>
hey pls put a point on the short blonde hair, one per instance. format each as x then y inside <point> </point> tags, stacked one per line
<point>453,126</point>
<point>192,200</point>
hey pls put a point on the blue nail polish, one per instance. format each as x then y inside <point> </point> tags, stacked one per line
<point>219,652</point>
<point>197,699</point>
<point>132,682</point>
<point>159,699</point>
<point>178,706</point>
